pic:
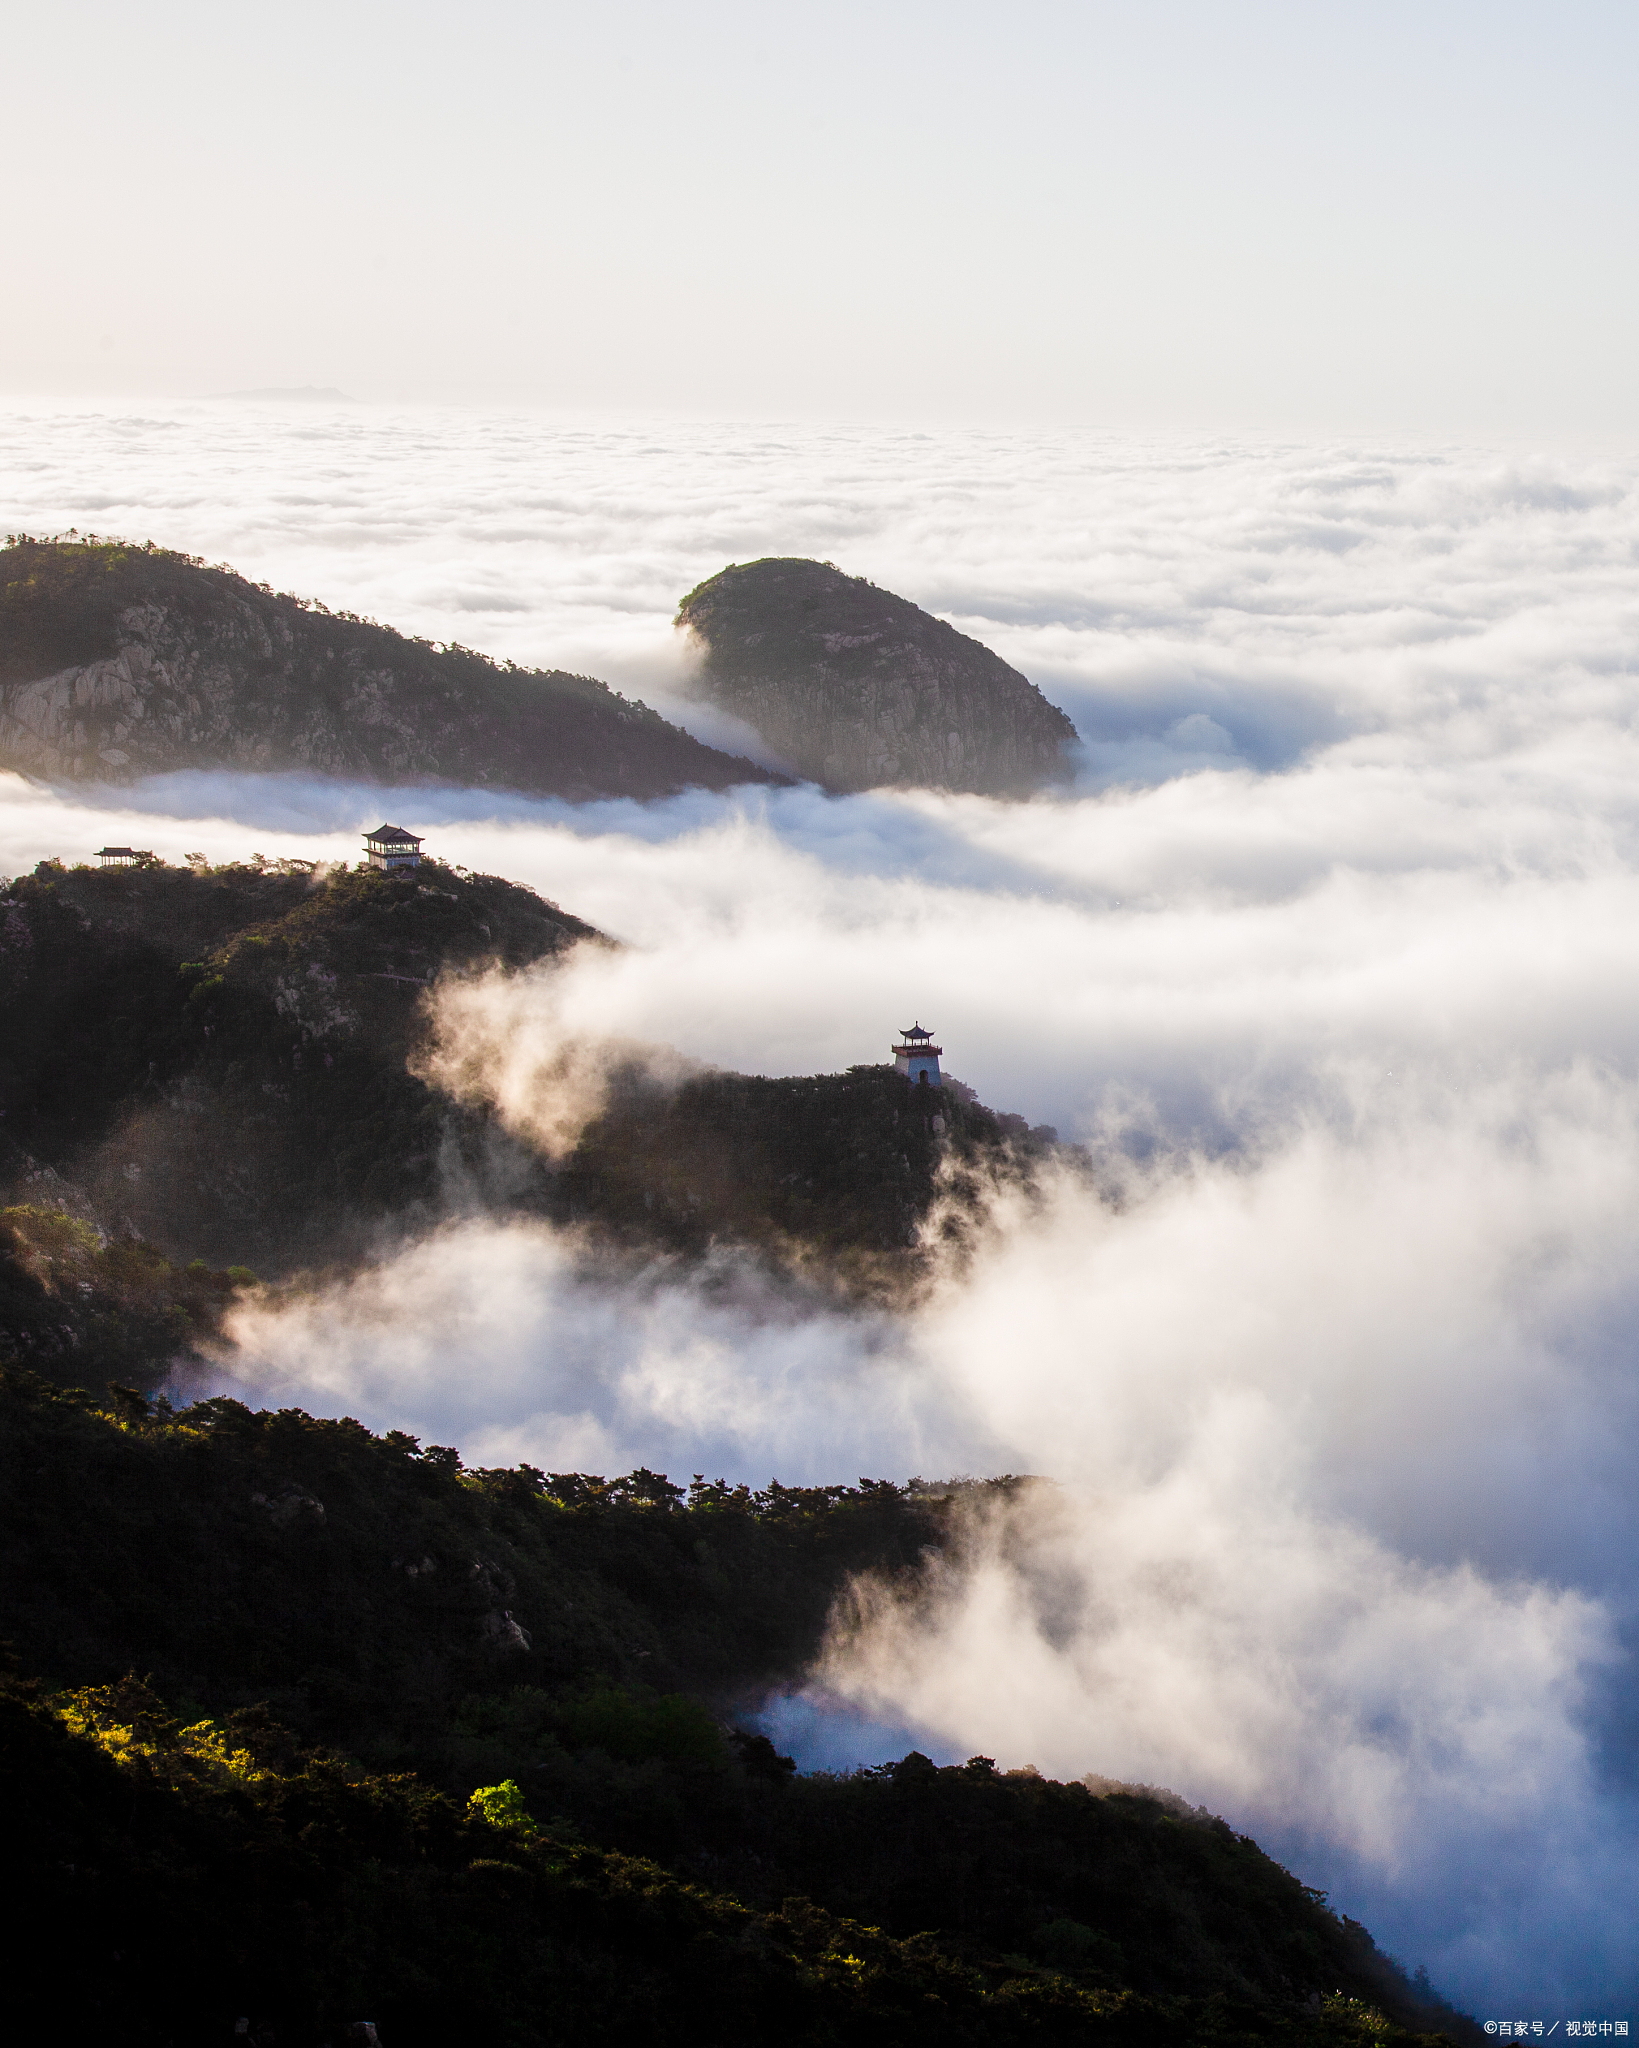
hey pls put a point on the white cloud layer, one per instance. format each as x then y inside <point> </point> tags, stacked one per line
<point>1286,595</point>
<point>1340,1396</point>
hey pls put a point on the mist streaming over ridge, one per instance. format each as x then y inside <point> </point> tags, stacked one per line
<point>1333,964</point>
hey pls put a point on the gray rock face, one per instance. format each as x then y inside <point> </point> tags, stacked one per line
<point>856,688</point>
<point>77,721</point>
<point>118,662</point>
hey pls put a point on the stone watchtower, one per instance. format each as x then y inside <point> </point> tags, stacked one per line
<point>917,1057</point>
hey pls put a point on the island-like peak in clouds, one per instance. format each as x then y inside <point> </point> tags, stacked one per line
<point>118,662</point>
<point>856,688</point>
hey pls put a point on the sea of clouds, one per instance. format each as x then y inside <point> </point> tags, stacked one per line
<point>1332,958</point>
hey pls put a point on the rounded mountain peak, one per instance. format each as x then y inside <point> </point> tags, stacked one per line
<point>856,688</point>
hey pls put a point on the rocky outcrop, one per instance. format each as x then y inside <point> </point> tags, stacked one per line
<point>291,1506</point>
<point>118,662</point>
<point>855,688</point>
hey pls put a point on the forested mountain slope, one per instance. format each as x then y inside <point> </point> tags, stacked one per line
<point>218,1062</point>
<point>520,1682</point>
<point>307,1726</point>
<point>218,1056</point>
<point>119,661</point>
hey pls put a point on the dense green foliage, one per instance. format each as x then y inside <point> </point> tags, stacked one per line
<point>183,1878</point>
<point>362,1584</point>
<point>60,604</point>
<point>231,674</point>
<point>571,1650</point>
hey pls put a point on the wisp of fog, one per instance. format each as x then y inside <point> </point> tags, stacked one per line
<point>1330,959</point>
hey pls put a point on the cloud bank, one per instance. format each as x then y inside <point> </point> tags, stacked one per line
<point>1342,1532</point>
<point>1172,594</point>
<point>1333,959</point>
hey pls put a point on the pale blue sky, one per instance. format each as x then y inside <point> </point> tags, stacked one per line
<point>1298,217</point>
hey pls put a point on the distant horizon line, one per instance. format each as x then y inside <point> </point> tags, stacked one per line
<point>1568,440</point>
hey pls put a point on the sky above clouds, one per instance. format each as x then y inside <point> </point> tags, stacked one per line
<point>1273,215</point>
<point>1329,956</point>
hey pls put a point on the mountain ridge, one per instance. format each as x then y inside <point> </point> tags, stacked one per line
<point>293,1583</point>
<point>227,1064</point>
<point>567,1653</point>
<point>118,661</point>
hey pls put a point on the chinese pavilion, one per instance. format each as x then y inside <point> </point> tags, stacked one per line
<point>390,846</point>
<point>917,1057</point>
